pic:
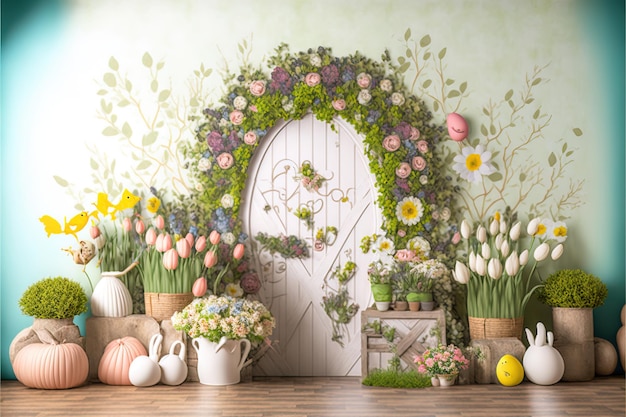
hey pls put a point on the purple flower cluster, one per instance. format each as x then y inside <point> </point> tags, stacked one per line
<point>281,81</point>
<point>218,143</point>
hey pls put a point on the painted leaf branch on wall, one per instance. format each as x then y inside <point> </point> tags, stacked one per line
<point>150,124</point>
<point>512,129</point>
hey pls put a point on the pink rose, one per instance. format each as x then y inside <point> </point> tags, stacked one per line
<point>225,160</point>
<point>456,238</point>
<point>403,170</point>
<point>257,88</point>
<point>415,133</point>
<point>339,104</point>
<point>405,255</point>
<point>312,79</point>
<point>250,138</point>
<point>236,117</point>
<point>418,163</point>
<point>391,143</point>
<point>319,245</point>
<point>402,233</point>
<point>364,80</point>
<point>422,146</point>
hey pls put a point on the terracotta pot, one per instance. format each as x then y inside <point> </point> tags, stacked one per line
<point>414,306</point>
<point>401,306</point>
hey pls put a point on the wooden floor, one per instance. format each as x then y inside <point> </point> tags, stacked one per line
<point>311,397</point>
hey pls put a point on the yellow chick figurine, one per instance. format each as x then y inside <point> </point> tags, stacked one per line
<point>509,371</point>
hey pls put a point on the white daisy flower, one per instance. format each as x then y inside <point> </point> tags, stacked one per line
<point>472,164</point>
<point>409,210</point>
<point>385,245</point>
<point>558,231</point>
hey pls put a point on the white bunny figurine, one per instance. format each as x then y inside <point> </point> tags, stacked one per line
<point>144,370</point>
<point>543,364</point>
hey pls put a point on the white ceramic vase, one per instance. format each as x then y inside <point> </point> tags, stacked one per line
<point>221,363</point>
<point>111,298</point>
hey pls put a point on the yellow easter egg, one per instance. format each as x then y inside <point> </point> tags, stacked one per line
<point>509,371</point>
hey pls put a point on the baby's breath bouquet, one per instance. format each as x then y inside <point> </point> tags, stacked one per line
<point>215,317</point>
<point>498,285</point>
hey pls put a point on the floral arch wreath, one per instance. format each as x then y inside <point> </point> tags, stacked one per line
<point>414,194</point>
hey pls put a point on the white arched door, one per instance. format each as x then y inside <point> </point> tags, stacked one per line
<point>293,288</point>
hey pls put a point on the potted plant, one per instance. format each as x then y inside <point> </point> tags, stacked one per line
<point>499,282</point>
<point>573,294</point>
<point>379,276</point>
<point>220,327</point>
<point>403,281</point>
<point>443,363</point>
<point>53,303</point>
<point>413,299</point>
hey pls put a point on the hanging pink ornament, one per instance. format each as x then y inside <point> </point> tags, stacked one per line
<point>457,127</point>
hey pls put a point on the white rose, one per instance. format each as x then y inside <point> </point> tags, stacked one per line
<point>386,85</point>
<point>316,61</point>
<point>204,164</point>
<point>240,102</point>
<point>397,99</point>
<point>227,201</point>
<point>228,238</point>
<point>423,179</point>
<point>364,96</point>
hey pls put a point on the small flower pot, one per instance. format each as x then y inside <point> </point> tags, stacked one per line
<point>382,305</point>
<point>414,306</point>
<point>400,306</point>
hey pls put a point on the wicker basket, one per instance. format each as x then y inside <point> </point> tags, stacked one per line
<point>161,306</point>
<point>494,328</point>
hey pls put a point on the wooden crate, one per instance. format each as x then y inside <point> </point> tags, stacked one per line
<point>412,337</point>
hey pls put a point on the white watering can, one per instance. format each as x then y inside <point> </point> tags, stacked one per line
<point>144,370</point>
<point>173,367</point>
<point>220,363</point>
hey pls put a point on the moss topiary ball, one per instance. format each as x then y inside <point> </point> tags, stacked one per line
<point>54,298</point>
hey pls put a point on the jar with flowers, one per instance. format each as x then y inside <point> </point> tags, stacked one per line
<point>499,284</point>
<point>442,363</point>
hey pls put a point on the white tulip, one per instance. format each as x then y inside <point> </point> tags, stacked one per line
<point>481,265</point>
<point>481,234</point>
<point>511,265</point>
<point>494,227</point>
<point>461,273</point>
<point>541,252</point>
<point>466,231</point>
<point>515,231</point>
<point>533,225</point>
<point>499,240</point>
<point>505,248</point>
<point>485,250</point>
<point>472,261</point>
<point>495,268</point>
<point>523,257</point>
<point>557,252</point>
<point>503,227</point>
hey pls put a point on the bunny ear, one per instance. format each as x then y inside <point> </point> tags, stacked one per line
<point>550,338</point>
<point>541,334</point>
<point>530,337</point>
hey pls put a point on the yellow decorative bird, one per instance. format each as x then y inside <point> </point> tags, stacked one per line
<point>103,204</point>
<point>75,225</point>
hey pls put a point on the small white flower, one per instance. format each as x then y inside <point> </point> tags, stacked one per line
<point>397,99</point>
<point>445,214</point>
<point>386,85</point>
<point>227,201</point>
<point>481,265</point>
<point>228,238</point>
<point>558,231</point>
<point>472,261</point>
<point>234,290</point>
<point>204,164</point>
<point>511,265</point>
<point>503,227</point>
<point>485,250</point>
<point>499,240</point>
<point>385,245</point>
<point>494,227</point>
<point>316,60</point>
<point>364,96</point>
<point>481,234</point>
<point>531,229</point>
<point>423,179</point>
<point>240,102</point>
<point>472,164</point>
<point>505,248</point>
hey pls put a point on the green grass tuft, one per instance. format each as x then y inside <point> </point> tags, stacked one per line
<point>392,379</point>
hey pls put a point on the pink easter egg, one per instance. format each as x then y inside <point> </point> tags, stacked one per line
<point>457,127</point>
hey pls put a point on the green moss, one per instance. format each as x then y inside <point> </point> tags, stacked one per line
<point>54,298</point>
<point>392,379</point>
<point>573,288</point>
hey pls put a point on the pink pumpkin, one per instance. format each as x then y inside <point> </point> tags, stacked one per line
<point>457,127</point>
<point>116,359</point>
<point>51,366</point>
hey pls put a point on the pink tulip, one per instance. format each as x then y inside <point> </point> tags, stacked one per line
<point>167,242</point>
<point>94,232</point>
<point>238,251</point>
<point>127,224</point>
<point>159,242</point>
<point>170,259</point>
<point>210,259</point>
<point>183,248</point>
<point>151,237</point>
<point>201,244</point>
<point>159,222</point>
<point>190,239</point>
<point>214,237</point>
<point>199,287</point>
<point>140,227</point>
